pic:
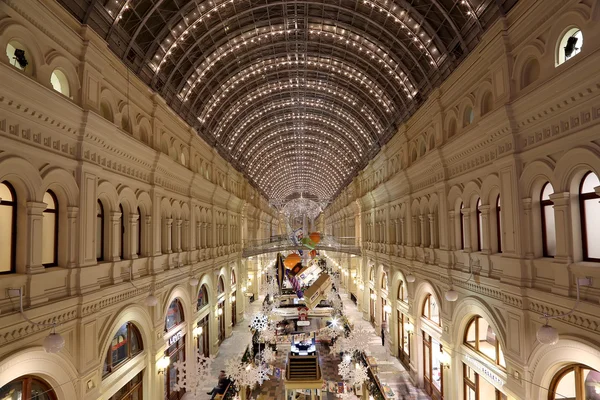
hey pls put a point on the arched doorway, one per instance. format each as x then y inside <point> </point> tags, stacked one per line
<point>203,325</point>
<point>221,308</point>
<point>27,388</point>
<point>174,323</point>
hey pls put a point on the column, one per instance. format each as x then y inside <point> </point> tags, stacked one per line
<point>414,229</point>
<point>204,241</point>
<point>35,219</point>
<point>198,235</point>
<point>451,221</point>
<point>71,256</point>
<point>562,214</point>
<point>185,236</point>
<point>530,250</point>
<point>422,223</point>
<point>486,246</point>
<point>466,229</point>
<point>146,235</point>
<point>131,248</point>
<point>432,231</point>
<point>114,236</point>
<point>166,235</point>
<point>402,236</point>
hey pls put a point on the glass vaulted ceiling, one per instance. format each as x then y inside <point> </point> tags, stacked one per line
<point>299,95</point>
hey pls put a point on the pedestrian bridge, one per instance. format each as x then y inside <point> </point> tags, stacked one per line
<point>281,243</point>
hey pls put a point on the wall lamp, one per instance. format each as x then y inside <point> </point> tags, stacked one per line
<point>197,331</point>
<point>162,364</point>
<point>445,360</point>
<point>409,328</point>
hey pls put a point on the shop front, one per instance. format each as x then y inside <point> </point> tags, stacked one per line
<point>202,333</point>
<point>433,376</point>
<point>405,330</point>
<point>175,340</point>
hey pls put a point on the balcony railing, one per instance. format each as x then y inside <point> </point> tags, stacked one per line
<point>281,243</point>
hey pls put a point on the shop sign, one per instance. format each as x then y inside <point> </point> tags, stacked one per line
<point>483,370</point>
<point>175,338</point>
<point>303,323</point>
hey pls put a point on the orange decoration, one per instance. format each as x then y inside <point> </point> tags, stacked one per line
<point>313,253</point>
<point>315,237</point>
<point>291,260</point>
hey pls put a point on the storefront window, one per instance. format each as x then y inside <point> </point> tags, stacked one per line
<point>404,338</point>
<point>431,310</point>
<point>220,286</point>
<point>432,368</point>
<point>202,340</point>
<point>174,315</point>
<point>175,352</point>
<point>202,297</point>
<point>477,387</point>
<point>126,344</point>
<point>133,390</point>
<point>575,382</point>
<point>481,337</point>
<point>27,388</point>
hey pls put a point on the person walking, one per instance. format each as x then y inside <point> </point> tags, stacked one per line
<point>382,336</point>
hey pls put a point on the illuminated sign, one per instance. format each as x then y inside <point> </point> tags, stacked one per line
<point>175,338</point>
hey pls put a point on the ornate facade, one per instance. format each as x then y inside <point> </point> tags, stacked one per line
<point>485,191</point>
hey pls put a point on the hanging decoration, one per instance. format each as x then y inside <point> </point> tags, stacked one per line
<point>291,260</point>
<point>259,321</point>
<point>357,340</point>
<point>268,355</point>
<point>315,237</point>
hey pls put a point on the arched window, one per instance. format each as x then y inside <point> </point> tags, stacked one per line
<point>125,123</point>
<point>8,227</point>
<point>133,390</point>
<point>220,286</point>
<point>372,275</point>
<point>479,224</point>
<point>233,281</point>
<point>531,72</point>
<point>480,336</point>
<point>487,103</point>
<point>27,388</point>
<point>468,116</point>
<point>499,225</point>
<point>202,297</point>
<point>125,345</point>
<point>182,158</point>
<point>548,224</point>
<point>589,205</point>
<point>575,382</point>
<point>463,239</point>
<point>50,231</point>
<point>122,238</point>
<point>17,55</point>
<point>384,281</point>
<point>431,310</point>
<point>570,45</point>
<point>174,315</point>
<point>60,83</point>
<point>452,128</point>
<point>106,111</point>
<point>99,231</point>
<point>140,237</point>
<point>402,292</point>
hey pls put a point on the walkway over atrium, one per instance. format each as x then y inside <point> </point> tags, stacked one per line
<point>183,182</point>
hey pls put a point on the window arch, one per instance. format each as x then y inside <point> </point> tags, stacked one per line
<point>220,286</point>
<point>384,281</point>
<point>99,231</point>
<point>590,216</point>
<point>122,237</point>
<point>50,231</point>
<point>27,388</point>
<point>468,116</point>
<point>531,72</point>
<point>106,111</point>
<point>548,223</point>
<point>431,310</point>
<point>125,122</point>
<point>140,231</point>
<point>60,83</point>
<point>479,225</point>
<point>487,103</point>
<point>480,336</point>
<point>463,239</point>
<point>15,58</point>
<point>8,227</point>
<point>452,128</point>
<point>126,344</point>
<point>372,274</point>
<point>203,299</point>
<point>569,45</point>
<point>498,225</point>
<point>174,315</point>
<point>233,280</point>
<point>402,291</point>
<point>575,382</point>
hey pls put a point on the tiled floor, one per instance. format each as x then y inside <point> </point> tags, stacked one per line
<point>391,370</point>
